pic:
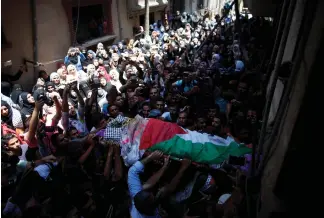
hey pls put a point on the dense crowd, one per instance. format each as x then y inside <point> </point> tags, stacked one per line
<point>54,164</point>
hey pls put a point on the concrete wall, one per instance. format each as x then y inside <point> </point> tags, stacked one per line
<point>52,31</point>
<point>16,22</point>
<point>126,24</point>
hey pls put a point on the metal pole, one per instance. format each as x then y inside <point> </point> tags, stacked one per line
<point>237,20</point>
<point>119,22</point>
<point>34,34</point>
<point>147,19</point>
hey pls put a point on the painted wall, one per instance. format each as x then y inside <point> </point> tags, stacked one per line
<point>52,30</point>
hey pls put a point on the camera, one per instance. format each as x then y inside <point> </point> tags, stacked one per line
<point>48,101</point>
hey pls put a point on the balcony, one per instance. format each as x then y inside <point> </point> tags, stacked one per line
<point>135,5</point>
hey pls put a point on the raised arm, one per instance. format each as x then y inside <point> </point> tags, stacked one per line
<point>58,107</point>
<point>80,100</point>
<point>118,165</point>
<point>107,170</point>
<point>134,182</point>
<point>85,155</point>
<point>65,108</point>
<point>34,120</point>
<point>18,74</point>
<point>151,182</point>
<point>66,60</point>
<point>171,187</point>
<point>82,57</point>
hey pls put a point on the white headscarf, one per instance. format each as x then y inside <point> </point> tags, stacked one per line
<point>53,75</point>
<point>115,79</point>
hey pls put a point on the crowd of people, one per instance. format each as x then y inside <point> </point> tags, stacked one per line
<point>55,165</point>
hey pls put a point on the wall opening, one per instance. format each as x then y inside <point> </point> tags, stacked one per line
<point>91,24</point>
<point>178,5</point>
<point>142,19</point>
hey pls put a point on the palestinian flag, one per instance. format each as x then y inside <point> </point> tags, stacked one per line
<point>152,134</point>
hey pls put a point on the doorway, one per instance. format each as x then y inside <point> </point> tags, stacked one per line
<point>142,19</point>
<point>90,23</point>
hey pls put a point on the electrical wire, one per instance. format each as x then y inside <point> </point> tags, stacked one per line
<point>77,24</point>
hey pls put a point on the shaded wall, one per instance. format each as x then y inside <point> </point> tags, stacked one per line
<point>126,25</point>
<point>52,30</point>
<point>284,140</point>
<point>16,22</point>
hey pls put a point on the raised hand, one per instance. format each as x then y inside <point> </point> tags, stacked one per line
<point>155,155</point>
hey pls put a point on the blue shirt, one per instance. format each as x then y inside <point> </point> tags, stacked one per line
<point>135,186</point>
<point>222,103</point>
<point>188,86</point>
<point>105,109</point>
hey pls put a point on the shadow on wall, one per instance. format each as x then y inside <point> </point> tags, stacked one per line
<point>52,31</point>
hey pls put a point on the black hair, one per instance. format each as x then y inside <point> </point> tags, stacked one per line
<point>215,106</point>
<point>6,155</point>
<point>159,99</point>
<point>109,106</point>
<point>146,104</point>
<point>6,138</point>
<point>174,105</point>
<point>96,118</point>
<point>143,205</point>
<point>5,88</point>
<point>41,72</point>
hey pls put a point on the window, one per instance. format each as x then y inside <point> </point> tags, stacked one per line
<point>91,23</point>
<point>200,4</point>
<point>142,19</point>
<point>178,5</point>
